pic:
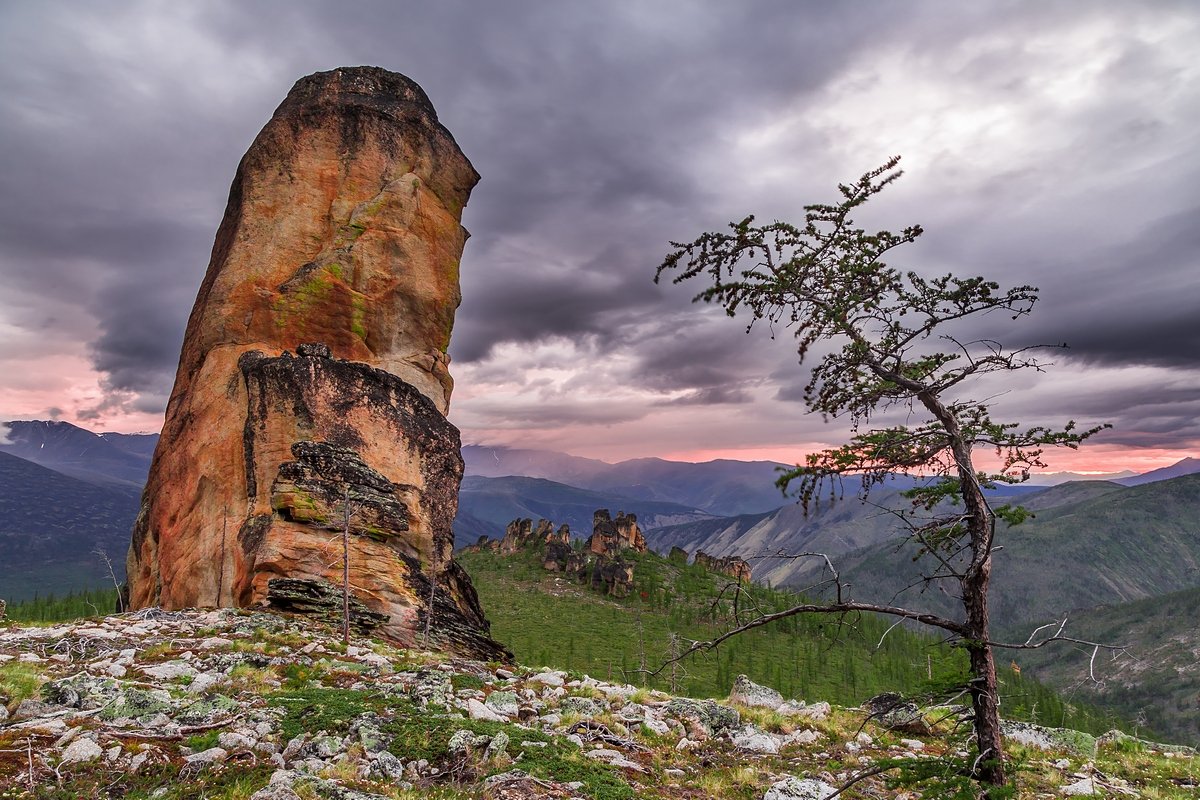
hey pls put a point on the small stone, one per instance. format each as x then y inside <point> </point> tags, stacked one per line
<point>478,710</point>
<point>213,755</point>
<point>497,747</point>
<point>1080,788</point>
<point>748,693</point>
<point>793,788</point>
<point>214,643</point>
<point>113,753</point>
<point>31,709</point>
<point>656,726</point>
<point>504,703</point>
<point>912,744</point>
<point>81,751</point>
<point>170,670</point>
<point>386,766</point>
<point>552,679</point>
<point>755,741</point>
<point>235,741</point>
<point>203,682</point>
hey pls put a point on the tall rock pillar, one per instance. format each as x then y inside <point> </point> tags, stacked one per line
<point>313,383</point>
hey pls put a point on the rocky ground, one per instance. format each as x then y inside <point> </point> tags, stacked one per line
<point>233,704</point>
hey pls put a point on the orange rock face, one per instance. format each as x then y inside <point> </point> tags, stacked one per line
<point>313,377</point>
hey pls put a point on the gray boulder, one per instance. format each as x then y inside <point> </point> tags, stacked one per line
<point>793,788</point>
<point>748,693</point>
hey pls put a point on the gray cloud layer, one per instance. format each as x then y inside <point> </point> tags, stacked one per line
<point>1051,143</point>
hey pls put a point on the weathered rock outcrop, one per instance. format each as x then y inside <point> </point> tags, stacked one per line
<point>734,567</point>
<point>313,379</point>
<point>520,534</point>
<point>599,563</point>
<point>610,537</point>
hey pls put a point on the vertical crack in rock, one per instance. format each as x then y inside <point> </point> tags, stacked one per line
<point>314,375</point>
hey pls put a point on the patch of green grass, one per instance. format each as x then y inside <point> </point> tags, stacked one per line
<point>231,781</point>
<point>320,708</point>
<point>19,681</point>
<point>203,741</point>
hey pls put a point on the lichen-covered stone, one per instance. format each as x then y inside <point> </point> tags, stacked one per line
<point>314,376</point>
<point>749,693</point>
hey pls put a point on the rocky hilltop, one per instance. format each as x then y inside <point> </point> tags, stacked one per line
<point>313,383</point>
<point>236,704</point>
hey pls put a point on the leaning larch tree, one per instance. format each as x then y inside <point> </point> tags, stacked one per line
<point>901,346</point>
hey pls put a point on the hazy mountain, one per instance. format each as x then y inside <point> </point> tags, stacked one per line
<point>487,505</point>
<point>103,459</point>
<point>1187,466</point>
<point>50,524</point>
<point>1100,545</point>
<point>1155,680</point>
<point>832,528</point>
<point>1056,478</point>
<point>139,444</point>
<point>722,487</point>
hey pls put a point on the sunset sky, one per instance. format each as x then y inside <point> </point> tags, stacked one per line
<point>1053,143</point>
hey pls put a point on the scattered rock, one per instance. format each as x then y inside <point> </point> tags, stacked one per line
<point>893,712</point>
<point>754,740</point>
<point>1082,787</point>
<point>213,755</point>
<point>478,710</point>
<point>794,788</point>
<point>712,717</point>
<point>748,693</point>
<point>1026,733</point>
<point>81,751</point>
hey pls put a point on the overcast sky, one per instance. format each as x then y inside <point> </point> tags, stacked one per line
<point>1053,143</point>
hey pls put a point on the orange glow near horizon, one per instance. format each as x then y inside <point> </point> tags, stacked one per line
<point>1097,459</point>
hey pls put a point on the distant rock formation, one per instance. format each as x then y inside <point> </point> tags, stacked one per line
<point>609,537</point>
<point>313,383</point>
<point>734,567</point>
<point>600,562</point>
<point>520,534</point>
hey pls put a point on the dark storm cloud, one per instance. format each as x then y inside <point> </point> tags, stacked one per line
<point>602,131</point>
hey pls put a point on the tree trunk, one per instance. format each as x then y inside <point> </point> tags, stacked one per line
<point>346,570</point>
<point>985,696</point>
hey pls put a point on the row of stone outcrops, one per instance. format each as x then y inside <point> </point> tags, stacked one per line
<point>601,560</point>
<point>734,567</point>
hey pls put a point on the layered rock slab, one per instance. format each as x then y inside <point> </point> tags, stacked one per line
<point>314,378</point>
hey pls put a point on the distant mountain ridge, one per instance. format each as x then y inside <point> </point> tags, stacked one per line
<point>121,459</point>
<point>723,487</point>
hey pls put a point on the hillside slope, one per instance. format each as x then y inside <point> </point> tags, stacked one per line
<point>1115,546</point>
<point>50,526</point>
<point>234,705</point>
<point>1154,681</point>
